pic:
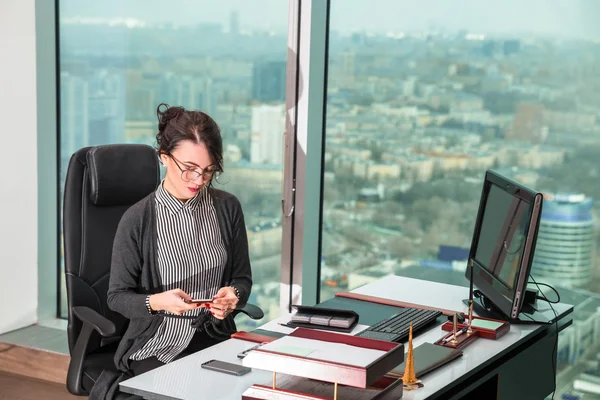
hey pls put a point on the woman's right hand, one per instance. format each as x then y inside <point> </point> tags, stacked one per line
<point>172,301</point>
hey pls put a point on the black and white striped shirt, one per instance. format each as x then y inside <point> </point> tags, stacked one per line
<point>192,257</point>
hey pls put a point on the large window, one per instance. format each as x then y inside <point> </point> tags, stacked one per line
<point>120,59</point>
<point>423,97</point>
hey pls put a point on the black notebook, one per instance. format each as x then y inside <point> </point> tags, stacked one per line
<point>428,357</point>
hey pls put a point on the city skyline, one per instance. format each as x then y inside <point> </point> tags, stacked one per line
<point>463,128</point>
<point>562,18</point>
<point>411,127</point>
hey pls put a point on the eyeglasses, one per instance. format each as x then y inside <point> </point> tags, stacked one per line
<point>191,174</point>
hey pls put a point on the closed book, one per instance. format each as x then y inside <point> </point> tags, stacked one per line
<point>290,387</point>
<point>340,322</point>
<point>328,357</point>
<point>428,357</point>
<point>301,317</point>
<point>320,320</point>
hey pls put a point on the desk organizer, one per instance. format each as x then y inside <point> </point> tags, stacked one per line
<point>324,357</point>
<point>461,340</point>
<point>485,328</point>
<point>323,318</point>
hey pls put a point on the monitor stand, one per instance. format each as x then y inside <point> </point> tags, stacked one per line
<point>542,314</point>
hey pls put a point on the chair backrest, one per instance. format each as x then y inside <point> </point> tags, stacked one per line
<point>102,183</point>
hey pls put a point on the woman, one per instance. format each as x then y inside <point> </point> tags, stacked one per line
<point>185,241</point>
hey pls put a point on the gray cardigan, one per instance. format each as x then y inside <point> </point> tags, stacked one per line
<point>134,270</point>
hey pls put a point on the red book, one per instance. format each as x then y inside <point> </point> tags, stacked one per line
<point>295,388</point>
<point>328,357</point>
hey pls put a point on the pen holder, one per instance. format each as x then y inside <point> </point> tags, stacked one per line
<point>462,340</point>
<point>486,328</point>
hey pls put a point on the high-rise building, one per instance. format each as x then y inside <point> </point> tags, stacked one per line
<point>409,86</point>
<point>512,46</point>
<point>490,48</point>
<point>234,23</point>
<point>268,81</point>
<point>266,142</point>
<point>348,70</point>
<point>74,114</point>
<point>528,124</point>
<point>107,119</point>
<point>106,107</point>
<point>193,92</point>
<point>565,244</point>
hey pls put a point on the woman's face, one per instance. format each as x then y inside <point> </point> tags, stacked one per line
<point>189,169</point>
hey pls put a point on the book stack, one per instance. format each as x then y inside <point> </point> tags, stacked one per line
<point>313,364</point>
<point>340,322</point>
<point>303,318</point>
<point>295,388</point>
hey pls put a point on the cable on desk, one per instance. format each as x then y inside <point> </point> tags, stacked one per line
<point>544,296</point>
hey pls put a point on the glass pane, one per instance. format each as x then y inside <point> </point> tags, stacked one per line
<point>423,97</point>
<point>119,60</point>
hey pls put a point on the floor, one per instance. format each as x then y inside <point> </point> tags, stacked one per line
<point>39,337</point>
<point>18,387</point>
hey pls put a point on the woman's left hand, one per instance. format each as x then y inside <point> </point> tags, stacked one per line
<point>224,302</point>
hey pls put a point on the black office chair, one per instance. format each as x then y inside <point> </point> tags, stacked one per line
<point>101,184</point>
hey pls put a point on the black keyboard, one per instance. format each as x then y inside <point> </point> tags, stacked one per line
<point>395,328</point>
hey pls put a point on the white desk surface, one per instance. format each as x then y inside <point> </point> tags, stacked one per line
<point>185,379</point>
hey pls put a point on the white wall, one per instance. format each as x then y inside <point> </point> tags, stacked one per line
<point>18,156</point>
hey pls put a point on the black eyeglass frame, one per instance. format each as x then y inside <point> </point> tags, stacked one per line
<point>206,175</point>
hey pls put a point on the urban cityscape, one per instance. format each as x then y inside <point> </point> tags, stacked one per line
<point>413,121</point>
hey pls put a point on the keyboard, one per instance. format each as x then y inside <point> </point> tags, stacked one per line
<point>395,328</point>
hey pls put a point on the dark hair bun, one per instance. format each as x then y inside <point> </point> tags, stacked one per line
<point>166,115</point>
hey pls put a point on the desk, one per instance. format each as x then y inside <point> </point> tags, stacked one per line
<point>516,366</point>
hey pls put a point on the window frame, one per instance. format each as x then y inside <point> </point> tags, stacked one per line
<point>308,161</point>
<point>48,138</point>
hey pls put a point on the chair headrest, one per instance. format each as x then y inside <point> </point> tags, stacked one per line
<point>121,174</point>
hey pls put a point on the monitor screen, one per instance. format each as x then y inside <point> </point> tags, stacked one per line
<point>504,242</point>
<point>502,236</point>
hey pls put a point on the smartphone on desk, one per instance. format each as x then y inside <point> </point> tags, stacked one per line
<point>226,367</point>
<point>199,301</point>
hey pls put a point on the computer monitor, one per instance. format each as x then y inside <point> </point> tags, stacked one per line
<point>503,243</point>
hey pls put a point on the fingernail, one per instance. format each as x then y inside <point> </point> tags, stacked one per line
<point>212,312</point>
<point>208,306</point>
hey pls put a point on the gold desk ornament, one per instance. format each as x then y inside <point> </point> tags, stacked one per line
<point>410,380</point>
<point>454,329</point>
<point>469,330</point>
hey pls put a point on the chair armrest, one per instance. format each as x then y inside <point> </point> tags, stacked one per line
<point>103,326</point>
<point>252,311</point>
<point>92,321</point>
